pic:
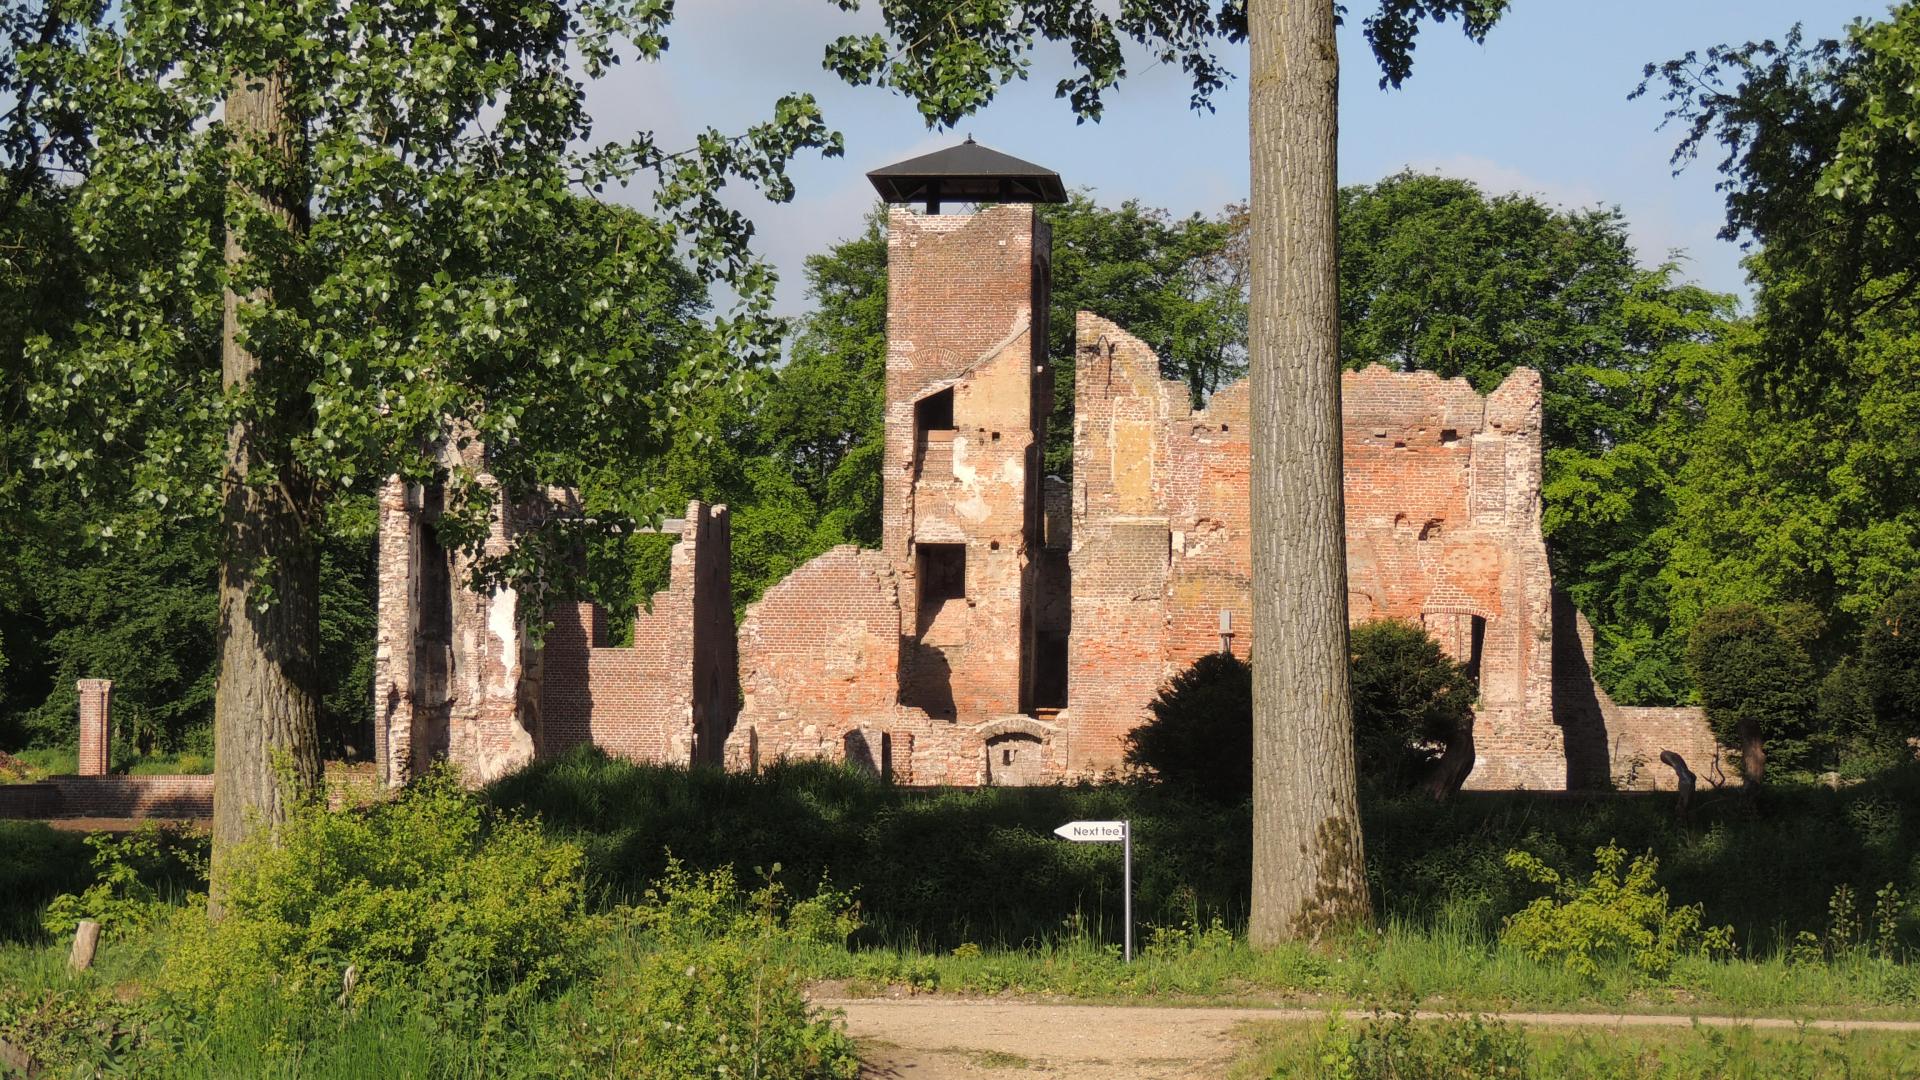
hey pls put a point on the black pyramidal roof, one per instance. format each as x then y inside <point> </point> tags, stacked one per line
<point>967,173</point>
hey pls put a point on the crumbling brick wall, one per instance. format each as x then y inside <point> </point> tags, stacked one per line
<point>1442,495</point>
<point>820,660</point>
<point>966,340</point>
<point>448,661</point>
<point>1612,745</point>
<point>670,697</point>
<point>1443,528</point>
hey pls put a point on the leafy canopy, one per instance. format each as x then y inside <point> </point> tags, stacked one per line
<point>452,273</point>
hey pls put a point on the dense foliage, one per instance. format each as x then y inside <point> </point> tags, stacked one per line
<point>1200,737</point>
<point>1411,703</point>
<point>1890,659</point>
<point>1757,686</point>
<point>420,894</point>
<point>1618,913</point>
<point>938,869</point>
<point>428,936</point>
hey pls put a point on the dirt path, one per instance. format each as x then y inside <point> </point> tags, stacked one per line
<point>960,1039</point>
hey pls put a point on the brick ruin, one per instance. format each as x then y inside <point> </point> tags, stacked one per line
<point>1012,627</point>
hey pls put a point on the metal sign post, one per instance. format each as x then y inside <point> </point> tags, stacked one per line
<point>1110,832</point>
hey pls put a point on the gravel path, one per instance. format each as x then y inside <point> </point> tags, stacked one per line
<point>934,1038</point>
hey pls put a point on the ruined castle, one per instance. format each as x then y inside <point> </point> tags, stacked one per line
<point>1012,627</point>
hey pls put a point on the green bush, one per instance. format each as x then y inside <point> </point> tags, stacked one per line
<point>125,896</point>
<point>1410,702</point>
<point>1757,685</point>
<point>1200,738</point>
<point>1890,657</point>
<point>424,894</point>
<point>1614,915</point>
<point>718,990</point>
<point>1469,1048</point>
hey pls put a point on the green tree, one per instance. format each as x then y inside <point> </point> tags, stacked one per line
<point>1200,737</point>
<point>1890,657</point>
<point>361,209</point>
<point>1304,788</point>
<point>1412,709</point>
<point>1806,482</point>
<point>1757,685</point>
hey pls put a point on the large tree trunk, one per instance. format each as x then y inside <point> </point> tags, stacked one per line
<point>266,732</point>
<point>1308,868</point>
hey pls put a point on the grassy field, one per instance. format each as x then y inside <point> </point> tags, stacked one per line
<point>968,892</point>
<point>1388,1046</point>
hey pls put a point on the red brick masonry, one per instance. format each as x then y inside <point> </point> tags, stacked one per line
<point>1013,627</point>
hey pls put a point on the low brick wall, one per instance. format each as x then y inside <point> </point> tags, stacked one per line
<point>110,797</point>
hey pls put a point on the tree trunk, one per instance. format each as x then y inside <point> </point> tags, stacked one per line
<point>266,731</point>
<point>1456,763</point>
<point>1308,869</point>
<point>1753,754</point>
<point>1684,781</point>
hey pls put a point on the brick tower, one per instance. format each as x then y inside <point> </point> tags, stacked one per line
<point>968,394</point>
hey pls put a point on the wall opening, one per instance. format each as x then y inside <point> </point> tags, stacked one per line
<point>1050,670</point>
<point>943,573</point>
<point>432,632</point>
<point>934,412</point>
<point>1013,760</point>
<point>1474,649</point>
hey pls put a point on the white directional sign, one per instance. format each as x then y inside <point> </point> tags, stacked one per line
<point>1093,832</point>
<point>1110,832</point>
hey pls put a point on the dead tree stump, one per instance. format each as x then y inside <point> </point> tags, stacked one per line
<point>1686,781</point>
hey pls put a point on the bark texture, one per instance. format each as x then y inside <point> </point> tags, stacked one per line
<point>1308,864</point>
<point>266,732</point>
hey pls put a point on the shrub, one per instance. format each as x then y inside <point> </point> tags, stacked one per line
<point>124,898</point>
<point>1201,736</point>
<point>422,894</point>
<point>1410,700</point>
<point>719,991</point>
<point>1614,915</point>
<point>1757,686</point>
<point>1890,657</point>
<point>1461,1046</point>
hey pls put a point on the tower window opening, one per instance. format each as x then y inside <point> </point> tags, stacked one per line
<point>934,412</point>
<point>943,572</point>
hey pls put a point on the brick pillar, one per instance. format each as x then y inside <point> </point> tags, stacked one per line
<point>96,714</point>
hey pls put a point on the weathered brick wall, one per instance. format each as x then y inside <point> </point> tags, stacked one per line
<point>820,659</point>
<point>1121,543</point>
<point>448,661</point>
<point>669,697</point>
<point>110,797</point>
<point>1442,493</point>
<point>960,319</point>
<point>96,725</point>
<point>1443,529</point>
<point>1619,745</point>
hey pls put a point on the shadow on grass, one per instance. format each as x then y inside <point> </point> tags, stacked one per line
<point>933,869</point>
<point>37,863</point>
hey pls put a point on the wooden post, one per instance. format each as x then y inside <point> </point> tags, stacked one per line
<point>86,938</point>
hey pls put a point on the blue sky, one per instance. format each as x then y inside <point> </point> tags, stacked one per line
<point>1540,108</point>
